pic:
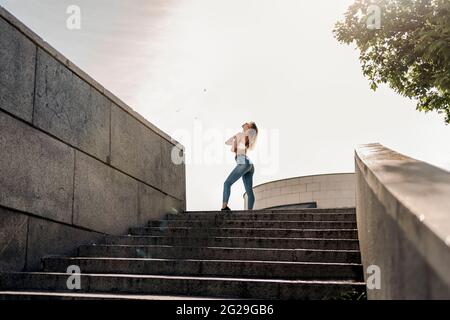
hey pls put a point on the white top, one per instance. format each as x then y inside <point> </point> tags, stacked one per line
<point>240,147</point>
<point>240,142</point>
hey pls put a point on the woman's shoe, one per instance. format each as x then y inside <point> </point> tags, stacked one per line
<point>225,209</point>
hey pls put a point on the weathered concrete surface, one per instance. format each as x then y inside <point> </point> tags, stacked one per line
<point>318,225</point>
<point>135,149</point>
<point>403,222</point>
<point>246,232</point>
<point>24,240</point>
<point>67,107</point>
<point>171,205</point>
<point>105,199</point>
<point>226,267</point>
<point>283,243</point>
<point>48,237</point>
<point>216,268</point>
<point>217,253</point>
<point>338,214</point>
<point>19,26</point>
<point>153,204</point>
<point>36,171</point>
<point>37,158</point>
<point>17,69</point>
<point>13,240</point>
<point>150,204</point>
<point>189,286</point>
<point>42,295</point>
<point>174,177</point>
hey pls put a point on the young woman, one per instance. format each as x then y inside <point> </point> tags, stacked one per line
<point>240,143</point>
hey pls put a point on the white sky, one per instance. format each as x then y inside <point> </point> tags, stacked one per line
<point>198,69</point>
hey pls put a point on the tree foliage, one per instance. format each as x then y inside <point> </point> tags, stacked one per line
<point>410,51</point>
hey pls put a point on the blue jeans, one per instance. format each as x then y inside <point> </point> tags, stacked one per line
<point>244,169</point>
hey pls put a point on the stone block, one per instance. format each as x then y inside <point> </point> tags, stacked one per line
<point>326,203</point>
<point>173,180</point>
<point>135,149</point>
<point>36,171</point>
<point>345,194</point>
<point>345,202</point>
<point>339,177</point>
<point>150,204</point>
<point>320,178</point>
<point>307,179</point>
<point>13,240</point>
<point>262,188</point>
<point>271,202</point>
<point>171,204</point>
<point>330,194</point>
<point>281,191</point>
<point>17,72</point>
<point>291,198</point>
<point>263,194</point>
<point>278,184</point>
<point>329,185</point>
<point>257,192</point>
<point>349,178</point>
<point>310,187</point>
<point>306,197</point>
<point>69,108</point>
<point>272,192</point>
<point>105,199</point>
<point>293,181</point>
<point>298,188</point>
<point>350,185</point>
<point>51,238</point>
<point>259,204</point>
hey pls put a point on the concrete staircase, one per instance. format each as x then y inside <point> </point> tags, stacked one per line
<point>264,254</point>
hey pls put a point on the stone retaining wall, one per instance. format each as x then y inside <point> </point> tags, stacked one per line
<point>75,161</point>
<point>403,217</point>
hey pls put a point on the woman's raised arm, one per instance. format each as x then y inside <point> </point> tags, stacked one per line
<point>231,140</point>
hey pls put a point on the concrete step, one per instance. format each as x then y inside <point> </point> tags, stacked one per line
<point>182,285</point>
<point>253,224</point>
<point>50,295</point>
<point>210,268</point>
<point>219,253</point>
<point>247,232</point>
<point>218,216</point>
<point>277,211</point>
<point>239,242</point>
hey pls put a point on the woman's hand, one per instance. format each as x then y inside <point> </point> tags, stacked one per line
<point>231,140</point>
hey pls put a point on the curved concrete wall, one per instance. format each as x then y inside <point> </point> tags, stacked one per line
<point>403,217</point>
<point>326,190</point>
<point>75,161</point>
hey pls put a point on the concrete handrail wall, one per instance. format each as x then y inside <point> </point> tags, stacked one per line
<point>336,190</point>
<point>75,161</point>
<point>403,217</point>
